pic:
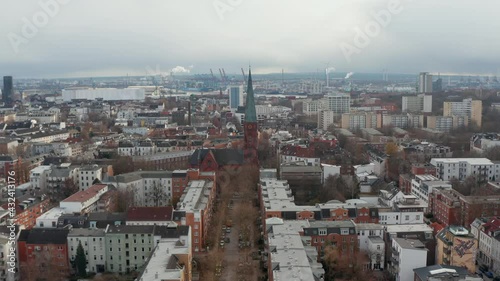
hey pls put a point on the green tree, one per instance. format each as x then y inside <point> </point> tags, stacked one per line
<point>81,261</point>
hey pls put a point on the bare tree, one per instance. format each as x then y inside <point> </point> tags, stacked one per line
<point>157,196</point>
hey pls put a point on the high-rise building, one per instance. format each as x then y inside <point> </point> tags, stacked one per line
<point>360,120</point>
<point>250,125</point>
<point>425,82</point>
<point>235,96</point>
<point>472,109</point>
<point>418,103</point>
<point>437,86</point>
<point>338,103</point>
<point>8,90</point>
<point>446,123</point>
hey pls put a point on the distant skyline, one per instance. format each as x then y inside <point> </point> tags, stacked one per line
<point>118,37</point>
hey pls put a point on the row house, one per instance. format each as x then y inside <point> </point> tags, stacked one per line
<point>48,136</point>
<point>93,242</point>
<point>452,208</point>
<point>195,209</point>
<point>487,232</point>
<point>341,234</point>
<point>43,253</point>
<point>29,207</point>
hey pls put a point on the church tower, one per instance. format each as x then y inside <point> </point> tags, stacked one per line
<point>250,126</point>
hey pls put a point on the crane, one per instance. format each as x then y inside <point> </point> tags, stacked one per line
<point>221,76</point>
<point>224,72</point>
<point>213,76</point>
<point>244,79</point>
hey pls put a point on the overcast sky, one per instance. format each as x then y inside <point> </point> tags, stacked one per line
<point>116,37</point>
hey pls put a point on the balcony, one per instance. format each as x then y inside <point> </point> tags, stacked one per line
<point>395,260</point>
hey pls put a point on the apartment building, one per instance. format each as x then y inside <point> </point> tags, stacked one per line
<point>407,254</point>
<point>417,103</point>
<point>194,209</point>
<point>472,109</point>
<point>87,175</point>
<point>423,185</point>
<point>84,201</point>
<point>456,246</point>
<point>370,241</point>
<point>447,123</point>
<point>487,231</point>
<point>355,120</point>
<point>482,169</point>
<point>93,242</point>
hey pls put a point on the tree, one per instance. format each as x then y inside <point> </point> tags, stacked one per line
<point>339,188</point>
<point>124,200</point>
<point>157,196</point>
<point>343,264</point>
<point>391,149</point>
<point>122,165</point>
<point>81,261</point>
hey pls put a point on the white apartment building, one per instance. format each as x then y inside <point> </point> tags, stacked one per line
<point>84,201</point>
<point>94,245</point>
<point>417,103</point>
<point>325,119</point>
<point>425,82</point>
<point>370,239</point>
<point>407,254</point>
<point>87,175</point>
<point>338,103</point>
<point>39,177</point>
<point>461,168</point>
<point>143,183</point>
<point>422,186</point>
<point>313,107</point>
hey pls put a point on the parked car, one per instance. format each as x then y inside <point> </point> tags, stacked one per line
<point>488,274</point>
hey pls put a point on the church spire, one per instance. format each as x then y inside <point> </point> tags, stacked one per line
<point>250,113</point>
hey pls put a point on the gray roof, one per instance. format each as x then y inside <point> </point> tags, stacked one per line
<point>424,273</point>
<point>410,243</point>
<point>131,229</point>
<point>83,232</point>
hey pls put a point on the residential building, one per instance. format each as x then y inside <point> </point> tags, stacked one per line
<point>84,201</point>
<point>417,103</point>
<point>423,152</point>
<point>355,120</point>
<point>326,119</point>
<point>425,82</point>
<point>487,232</point>
<point>484,141</point>
<point>235,96</point>
<point>313,107</point>
<point>444,273</point>
<point>482,169</point>
<point>171,258</point>
<point>338,103</point>
<point>423,185</point>
<point>340,233</point>
<point>408,120</point>
<point>407,254</point>
<point>93,242</point>
<point>472,109</point>
<point>447,123</point>
<point>87,175</point>
<point>39,177</point>
<point>7,251</point>
<point>288,256</point>
<point>370,241</point>
<point>28,209</point>
<point>456,246</point>
<point>194,209</point>
<point>43,253</point>
<point>149,216</point>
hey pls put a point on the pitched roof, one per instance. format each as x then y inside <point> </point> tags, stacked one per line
<point>223,157</point>
<point>171,232</point>
<point>150,213</point>
<point>44,236</point>
<point>250,112</point>
<point>84,195</point>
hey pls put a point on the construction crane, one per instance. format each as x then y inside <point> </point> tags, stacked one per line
<point>221,76</point>
<point>213,76</point>
<point>244,79</point>
<point>224,72</point>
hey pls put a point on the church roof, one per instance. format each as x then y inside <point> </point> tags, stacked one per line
<point>250,113</point>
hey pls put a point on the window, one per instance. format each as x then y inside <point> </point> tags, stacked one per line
<point>322,232</point>
<point>344,231</point>
<point>407,217</point>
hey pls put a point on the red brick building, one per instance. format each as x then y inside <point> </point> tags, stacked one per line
<point>450,207</point>
<point>341,234</point>
<point>43,253</point>
<point>180,179</point>
<point>29,208</point>
<point>423,169</point>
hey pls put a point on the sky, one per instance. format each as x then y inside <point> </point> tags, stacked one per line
<point>91,38</point>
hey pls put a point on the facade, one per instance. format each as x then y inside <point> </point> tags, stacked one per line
<point>195,210</point>
<point>482,169</point>
<point>472,109</point>
<point>87,175</point>
<point>360,120</point>
<point>235,96</point>
<point>417,103</point>
<point>446,123</point>
<point>338,103</point>
<point>425,82</point>
<point>457,247</point>
<point>325,119</point>
<point>483,142</point>
<point>313,107</point>
<point>339,233</point>
<point>370,241</point>
<point>84,201</point>
<point>8,91</point>
<point>94,246</point>
<point>423,185</point>
<point>43,253</point>
<point>29,209</point>
<point>487,232</point>
<point>149,216</point>
<point>407,254</point>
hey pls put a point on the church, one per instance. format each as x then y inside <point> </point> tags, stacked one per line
<point>215,159</point>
